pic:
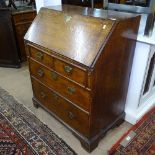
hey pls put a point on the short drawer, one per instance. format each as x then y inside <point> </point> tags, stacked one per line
<point>23,17</point>
<point>41,56</point>
<point>70,114</point>
<point>71,71</point>
<point>68,89</point>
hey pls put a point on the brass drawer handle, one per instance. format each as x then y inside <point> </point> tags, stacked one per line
<point>55,96</point>
<point>54,76</point>
<point>68,69</point>
<point>41,72</point>
<point>71,115</point>
<point>43,95</point>
<point>71,90</point>
<point>39,56</point>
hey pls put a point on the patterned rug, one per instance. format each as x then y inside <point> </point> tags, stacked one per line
<point>21,133</point>
<point>139,140</point>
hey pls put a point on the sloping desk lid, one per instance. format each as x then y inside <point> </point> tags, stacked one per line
<point>74,36</point>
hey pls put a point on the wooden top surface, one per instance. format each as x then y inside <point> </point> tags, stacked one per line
<point>73,36</point>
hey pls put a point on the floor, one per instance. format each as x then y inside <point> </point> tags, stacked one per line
<point>17,83</point>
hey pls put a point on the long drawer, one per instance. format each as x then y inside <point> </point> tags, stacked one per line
<point>70,114</point>
<point>66,69</point>
<point>60,84</point>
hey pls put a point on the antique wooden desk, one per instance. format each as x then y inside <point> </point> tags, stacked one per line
<point>80,67</point>
<point>21,21</point>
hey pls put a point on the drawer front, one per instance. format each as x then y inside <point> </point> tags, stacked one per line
<point>67,70</point>
<point>20,32</point>
<point>22,29</point>
<point>70,71</point>
<point>73,116</point>
<point>24,17</point>
<point>68,89</point>
<point>41,57</point>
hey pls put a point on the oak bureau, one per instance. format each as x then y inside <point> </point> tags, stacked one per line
<point>80,67</point>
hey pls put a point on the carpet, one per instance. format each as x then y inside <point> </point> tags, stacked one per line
<point>139,140</point>
<point>22,133</point>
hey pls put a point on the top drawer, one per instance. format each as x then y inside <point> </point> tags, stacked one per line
<point>41,57</point>
<point>23,17</point>
<point>68,70</point>
<point>71,71</point>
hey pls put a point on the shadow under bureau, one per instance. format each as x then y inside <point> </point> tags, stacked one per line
<point>80,67</point>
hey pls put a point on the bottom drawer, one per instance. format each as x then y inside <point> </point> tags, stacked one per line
<point>74,117</point>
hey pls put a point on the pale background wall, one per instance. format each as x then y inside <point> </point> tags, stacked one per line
<point>42,3</point>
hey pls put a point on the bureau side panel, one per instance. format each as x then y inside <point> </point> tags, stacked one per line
<point>111,78</point>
